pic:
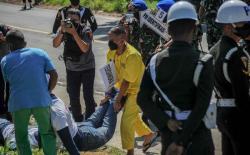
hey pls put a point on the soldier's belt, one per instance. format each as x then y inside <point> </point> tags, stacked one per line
<point>226,103</point>
<point>183,115</point>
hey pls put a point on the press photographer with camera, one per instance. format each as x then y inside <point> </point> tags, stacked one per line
<point>79,61</point>
<point>86,15</point>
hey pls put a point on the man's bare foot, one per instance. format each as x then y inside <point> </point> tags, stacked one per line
<point>149,140</point>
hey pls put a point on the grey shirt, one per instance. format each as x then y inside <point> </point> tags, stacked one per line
<point>87,60</point>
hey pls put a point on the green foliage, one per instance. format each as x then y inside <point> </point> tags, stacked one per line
<point>108,149</point>
<point>6,151</point>
<point>104,5</point>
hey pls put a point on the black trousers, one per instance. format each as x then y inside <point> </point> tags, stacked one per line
<point>4,95</point>
<point>201,142</point>
<point>233,130</point>
<point>24,1</point>
<point>74,81</point>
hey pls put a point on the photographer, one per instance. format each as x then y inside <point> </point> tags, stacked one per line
<point>79,61</point>
<point>85,15</point>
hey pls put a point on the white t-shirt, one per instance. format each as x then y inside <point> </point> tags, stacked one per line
<point>61,117</point>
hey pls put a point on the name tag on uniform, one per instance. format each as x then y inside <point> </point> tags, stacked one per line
<point>108,75</point>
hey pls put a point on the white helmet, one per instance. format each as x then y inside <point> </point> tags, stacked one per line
<point>233,11</point>
<point>181,10</point>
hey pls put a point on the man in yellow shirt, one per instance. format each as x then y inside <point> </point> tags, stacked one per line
<point>129,71</point>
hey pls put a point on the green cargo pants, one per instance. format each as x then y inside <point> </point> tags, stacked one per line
<point>42,116</point>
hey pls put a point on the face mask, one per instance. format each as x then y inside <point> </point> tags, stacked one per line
<point>243,31</point>
<point>112,45</point>
<point>75,2</point>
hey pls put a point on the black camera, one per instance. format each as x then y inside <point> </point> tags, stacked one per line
<point>68,23</point>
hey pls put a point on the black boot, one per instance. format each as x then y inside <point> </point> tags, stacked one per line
<point>24,7</point>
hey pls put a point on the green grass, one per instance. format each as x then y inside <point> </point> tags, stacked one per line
<point>114,151</point>
<point>5,151</point>
<point>104,5</point>
<point>109,150</point>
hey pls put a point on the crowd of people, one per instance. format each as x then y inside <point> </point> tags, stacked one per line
<point>172,81</point>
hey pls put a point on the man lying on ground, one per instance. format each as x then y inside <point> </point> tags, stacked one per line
<point>93,133</point>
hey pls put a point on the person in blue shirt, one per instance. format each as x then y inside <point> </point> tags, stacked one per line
<point>91,134</point>
<point>25,69</point>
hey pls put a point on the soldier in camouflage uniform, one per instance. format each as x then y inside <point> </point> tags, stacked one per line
<point>142,38</point>
<point>198,36</point>
<point>207,13</point>
<point>149,41</point>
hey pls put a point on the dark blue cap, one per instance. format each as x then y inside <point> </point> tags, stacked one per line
<point>165,4</point>
<point>139,4</point>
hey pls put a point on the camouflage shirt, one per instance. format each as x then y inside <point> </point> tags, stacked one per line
<point>213,31</point>
<point>144,40</point>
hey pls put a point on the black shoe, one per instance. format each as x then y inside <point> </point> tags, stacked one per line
<point>24,8</point>
<point>31,6</point>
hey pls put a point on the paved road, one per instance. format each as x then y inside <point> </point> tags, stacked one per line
<point>37,24</point>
